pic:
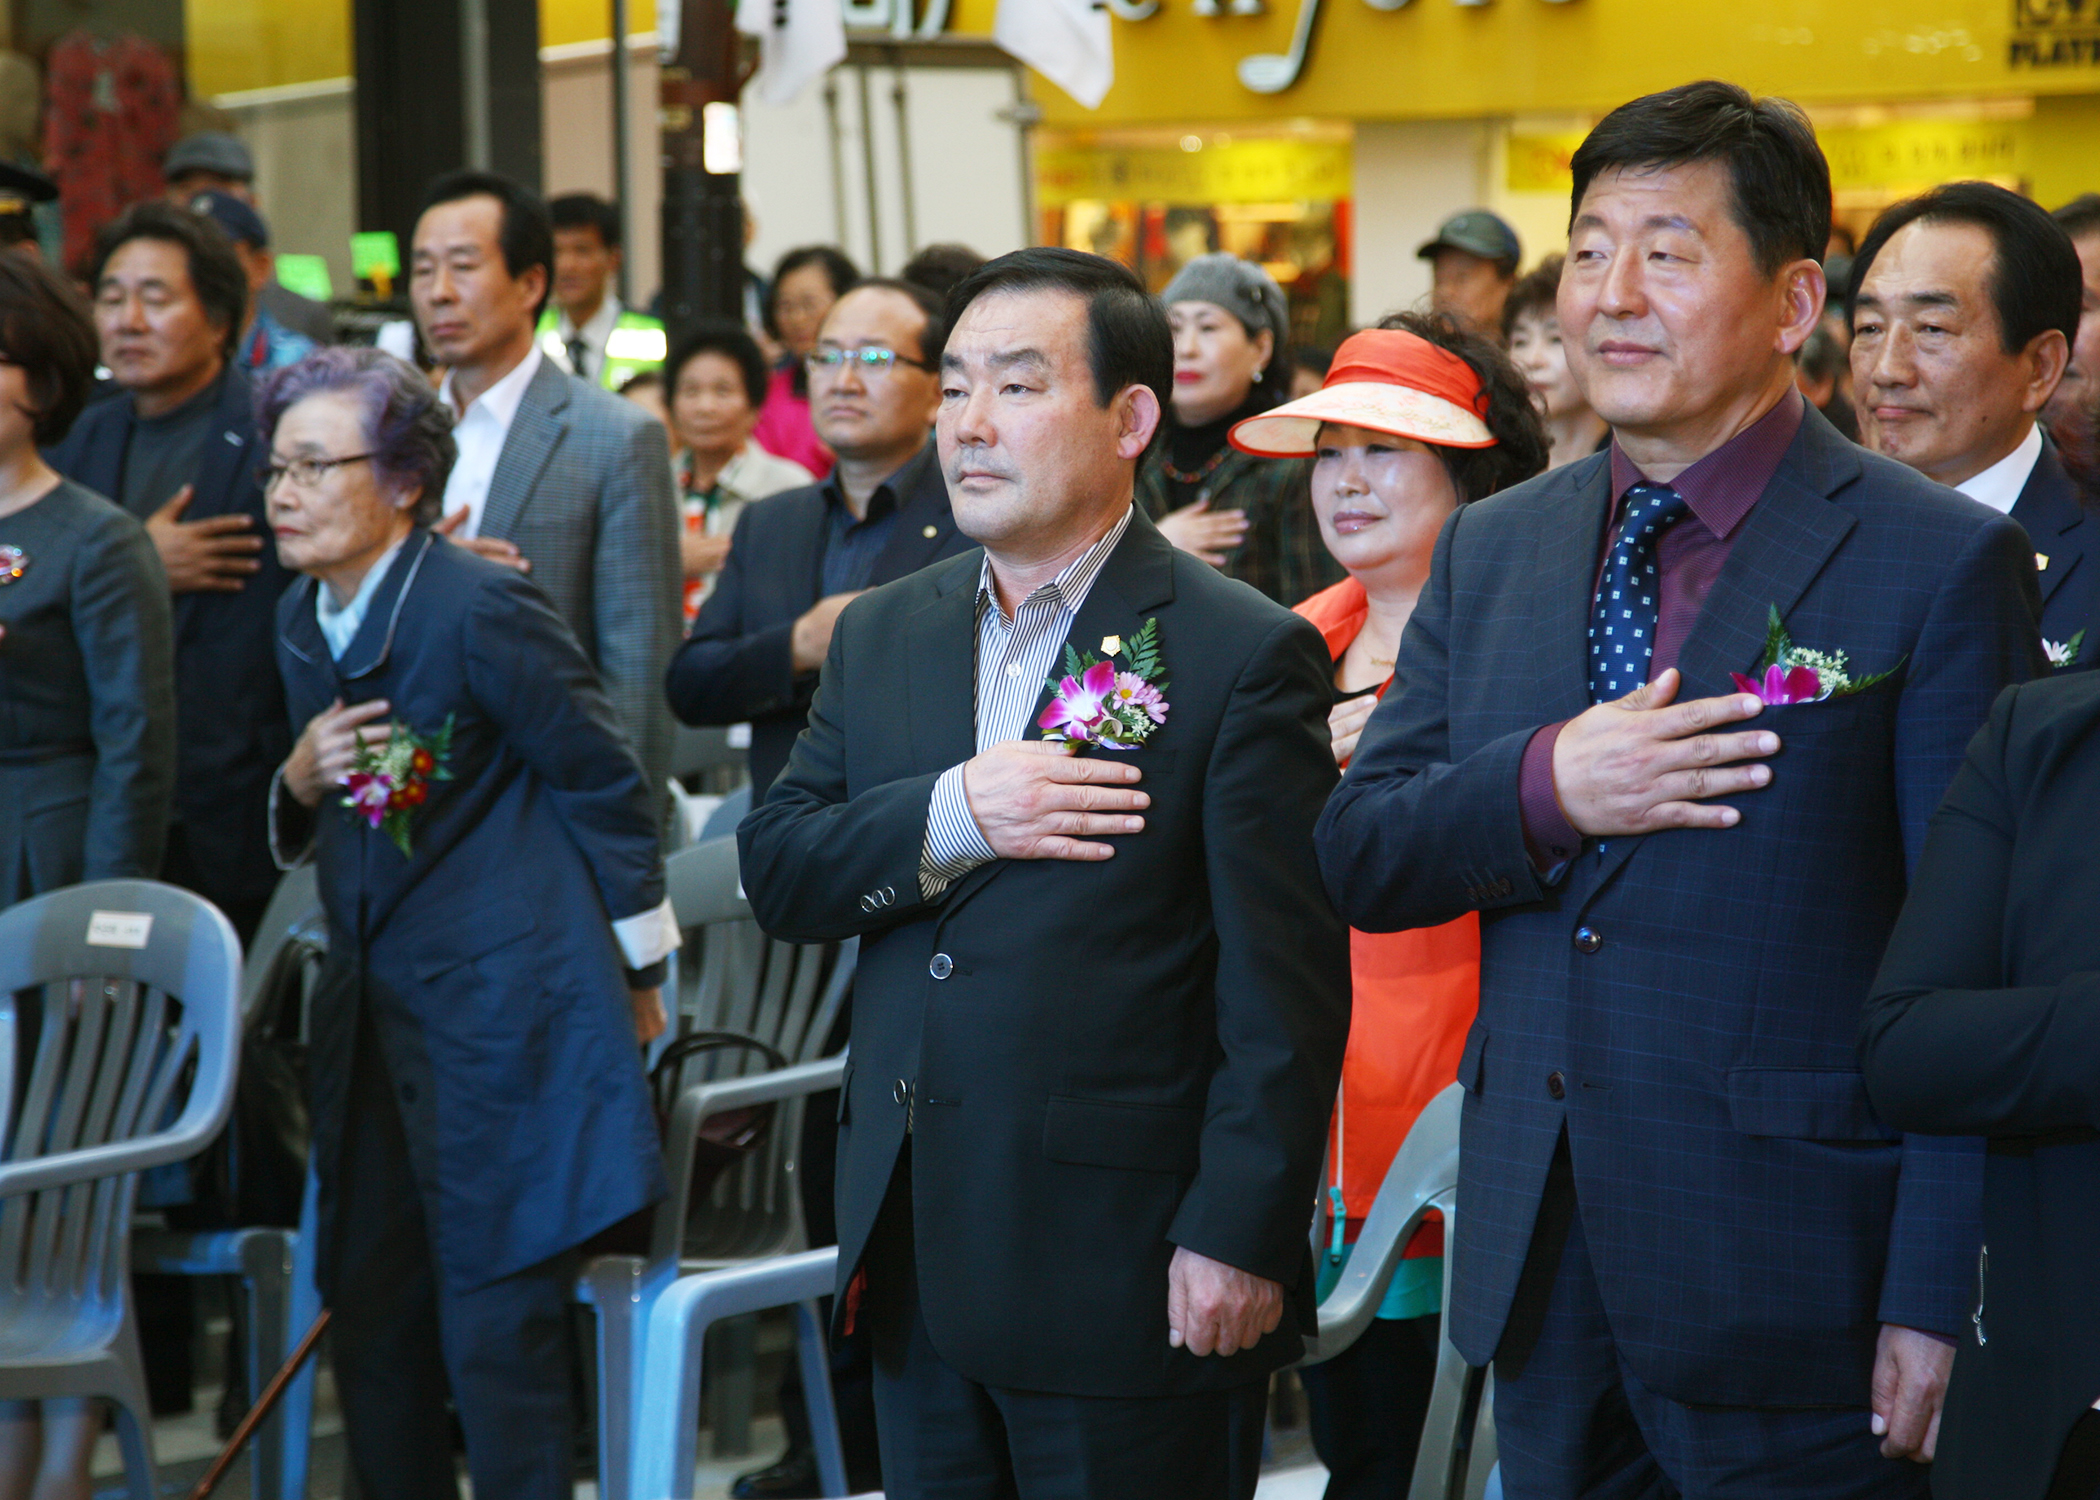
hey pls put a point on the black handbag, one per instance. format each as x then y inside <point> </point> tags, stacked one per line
<point>254,1173</point>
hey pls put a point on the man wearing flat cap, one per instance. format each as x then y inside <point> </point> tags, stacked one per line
<point>1473,264</point>
<point>211,161</point>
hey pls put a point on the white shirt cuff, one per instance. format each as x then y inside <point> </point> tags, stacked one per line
<point>954,844</point>
<point>648,937</point>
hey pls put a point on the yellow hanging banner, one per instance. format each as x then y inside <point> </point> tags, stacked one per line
<point>1258,171</point>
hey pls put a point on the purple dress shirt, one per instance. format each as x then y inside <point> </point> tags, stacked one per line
<point>1720,491</point>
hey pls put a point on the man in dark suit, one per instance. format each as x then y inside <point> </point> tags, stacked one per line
<point>177,450</point>
<point>797,559</point>
<point>1964,305</point>
<point>1700,1264</point>
<point>1090,1080</point>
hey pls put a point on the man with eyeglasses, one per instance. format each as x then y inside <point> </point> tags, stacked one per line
<point>798,558</point>
<point>795,560</point>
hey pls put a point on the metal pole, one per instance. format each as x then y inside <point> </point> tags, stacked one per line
<point>703,220</point>
<point>474,80</point>
<point>838,160</point>
<point>867,156</point>
<point>902,101</point>
<point>620,125</point>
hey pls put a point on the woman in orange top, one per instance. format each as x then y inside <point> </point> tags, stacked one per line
<point>1415,419</point>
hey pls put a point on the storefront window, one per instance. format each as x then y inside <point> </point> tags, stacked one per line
<point>1155,199</point>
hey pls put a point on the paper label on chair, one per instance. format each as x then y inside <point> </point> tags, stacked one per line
<point>119,929</point>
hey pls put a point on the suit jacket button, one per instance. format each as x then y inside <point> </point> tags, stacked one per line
<point>1557,1084</point>
<point>1587,940</point>
<point>867,903</point>
<point>901,1092</point>
<point>941,967</point>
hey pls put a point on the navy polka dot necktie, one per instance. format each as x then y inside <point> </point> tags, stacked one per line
<point>1623,615</point>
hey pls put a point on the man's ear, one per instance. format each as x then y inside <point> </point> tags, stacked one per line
<point>2047,356</point>
<point>1137,418</point>
<point>533,283</point>
<point>1804,291</point>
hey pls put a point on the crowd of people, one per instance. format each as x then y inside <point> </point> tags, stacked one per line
<point>1646,690</point>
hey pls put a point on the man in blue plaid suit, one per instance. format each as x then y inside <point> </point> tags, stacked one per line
<point>1700,1264</point>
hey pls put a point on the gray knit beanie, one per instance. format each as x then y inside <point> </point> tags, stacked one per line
<point>1239,286</point>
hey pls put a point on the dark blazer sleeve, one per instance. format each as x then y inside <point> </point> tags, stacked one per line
<point>1409,838</point>
<point>1947,1046</point>
<point>811,850</point>
<point>1283,965</point>
<point>124,623</point>
<point>1978,637</point>
<point>731,669</point>
<point>526,670</point>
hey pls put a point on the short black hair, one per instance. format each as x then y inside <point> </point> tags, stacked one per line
<point>934,336</point>
<point>1127,338</point>
<point>2081,216</point>
<point>586,211</point>
<point>1537,292</point>
<point>939,267</point>
<point>1520,449</point>
<point>215,270</point>
<point>2036,282</point>
<point>732,342</point>
<point>46,328</point>
<point>526,235</point>
<point>1776,171</point>
<point>839,271</point>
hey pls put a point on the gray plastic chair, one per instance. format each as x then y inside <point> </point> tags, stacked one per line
<point>704,757</point>
<point>119,1041</point>
<point>732,977</point>
<point>274,1264</point>
<point>668,1420</point>
<point>1458,1437</point>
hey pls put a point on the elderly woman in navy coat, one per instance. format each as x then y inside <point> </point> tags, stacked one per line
<point>494,890</point>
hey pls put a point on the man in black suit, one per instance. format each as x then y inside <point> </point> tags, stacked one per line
<point>796,559</point>
<point>1964,305</point>
<point>177,450</point>
<point>1700,1264</point>
<point>1101,1000</point>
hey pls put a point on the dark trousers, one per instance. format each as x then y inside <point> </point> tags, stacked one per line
<point>403,1340</point>
<point>1368,1405</point>
<point>1574,1423</point>
<point>947,1437</point>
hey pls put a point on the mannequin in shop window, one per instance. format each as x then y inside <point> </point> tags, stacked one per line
<point>1249,517</point>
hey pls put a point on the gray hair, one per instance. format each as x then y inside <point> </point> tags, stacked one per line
<point>407,427</point>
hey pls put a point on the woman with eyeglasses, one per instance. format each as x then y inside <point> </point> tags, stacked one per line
<point>804,285</point>
<point>87,709</point>
<point>486,846</point>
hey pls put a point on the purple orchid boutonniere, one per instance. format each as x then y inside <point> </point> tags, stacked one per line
<point>1787,673</point>
<point>1098,703</point>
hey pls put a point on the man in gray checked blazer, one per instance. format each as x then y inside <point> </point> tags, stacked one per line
<point>568,484</point>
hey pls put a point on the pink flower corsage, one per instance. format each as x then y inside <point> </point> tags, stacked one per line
<point>388,783</point>
<point>1787,673</point>
<point>1094,703</point>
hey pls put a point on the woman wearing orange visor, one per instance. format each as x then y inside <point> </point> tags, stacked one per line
<point>1416,418</point>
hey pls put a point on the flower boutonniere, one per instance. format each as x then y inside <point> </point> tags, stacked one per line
<point>1098,703</point>
<point>1787,673</point>
<point>2063,654</point>
<point>388,782</point>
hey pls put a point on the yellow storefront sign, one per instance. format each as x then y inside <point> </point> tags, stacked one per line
<point>1258,171</point>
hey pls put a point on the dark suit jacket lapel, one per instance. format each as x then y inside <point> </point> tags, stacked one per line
<point>941,669</point>
<point>1571,549</point>
<point>1784,542</point>
<point>1137,578</point>
<point>227,465</point>
<point>101,453</point>
<point>2048,508</point>
<point>373,644</point>
<point>535,431</point>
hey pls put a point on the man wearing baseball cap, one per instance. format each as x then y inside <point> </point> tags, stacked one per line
<point>266,343</point>
<point>1473,264</point>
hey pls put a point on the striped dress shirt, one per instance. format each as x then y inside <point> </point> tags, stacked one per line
<point>1014,659</point>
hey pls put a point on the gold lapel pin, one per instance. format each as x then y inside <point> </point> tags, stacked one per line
<point>931,532</point>
<point>2041,562</point>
